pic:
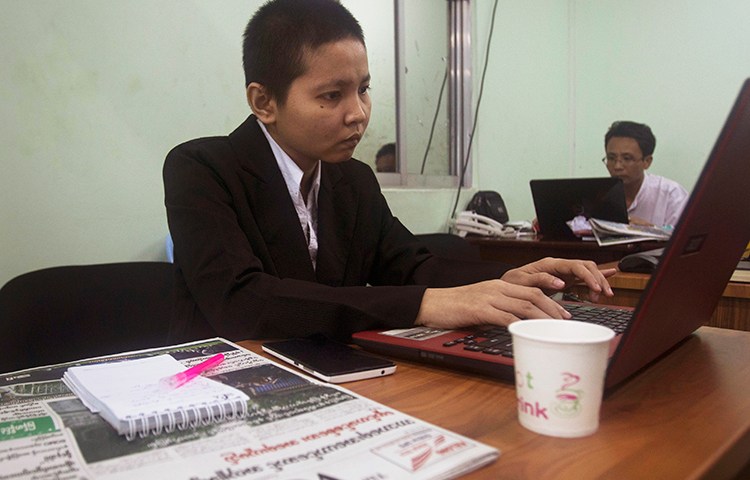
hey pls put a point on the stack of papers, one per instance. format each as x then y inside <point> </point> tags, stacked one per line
<point>295,428</point>
<point>613,233</point>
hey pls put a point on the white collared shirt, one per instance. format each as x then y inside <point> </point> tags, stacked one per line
<point>307,209</point>
<point>659,201</point>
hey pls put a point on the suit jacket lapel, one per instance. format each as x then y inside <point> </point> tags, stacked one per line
<point>272,208</point>
<point>337,210</point>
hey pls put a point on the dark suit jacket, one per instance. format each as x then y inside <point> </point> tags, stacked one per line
<point>243,266</point>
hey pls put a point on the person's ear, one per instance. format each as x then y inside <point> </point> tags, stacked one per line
<point>261,102</point>
<point>647,161</point>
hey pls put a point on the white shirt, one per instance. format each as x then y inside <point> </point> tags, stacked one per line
<point>659,201</point>
<point>307,209</point>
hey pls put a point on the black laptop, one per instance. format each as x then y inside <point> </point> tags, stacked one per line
<point>559,200</point>
<point>681,295</point>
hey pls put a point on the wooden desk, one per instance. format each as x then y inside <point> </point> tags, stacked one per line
<point>687,416</point>
<point>521,251</point>
<point>733,310</point>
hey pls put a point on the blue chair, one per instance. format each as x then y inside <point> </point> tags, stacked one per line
<point>169,245</point>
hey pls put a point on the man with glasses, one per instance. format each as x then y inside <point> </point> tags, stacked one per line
<point>651,199</point>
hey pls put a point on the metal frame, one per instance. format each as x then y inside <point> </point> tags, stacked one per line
<point>459,98</point>
<point>459,86</point>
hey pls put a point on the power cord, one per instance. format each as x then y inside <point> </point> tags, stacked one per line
<point>434,121</point>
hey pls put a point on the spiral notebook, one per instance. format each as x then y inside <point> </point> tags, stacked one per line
<point>130,397</point>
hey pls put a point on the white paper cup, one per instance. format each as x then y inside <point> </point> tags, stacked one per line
<point>560,368</point>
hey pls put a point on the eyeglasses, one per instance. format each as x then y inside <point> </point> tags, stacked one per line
<point>625,159</point>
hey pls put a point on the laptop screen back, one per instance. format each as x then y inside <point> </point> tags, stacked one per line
<point>557,201</point>
<point>702,254</point>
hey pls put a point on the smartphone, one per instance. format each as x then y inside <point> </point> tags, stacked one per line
<point>328,360</point>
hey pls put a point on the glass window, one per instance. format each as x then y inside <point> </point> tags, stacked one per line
<point>419,53</point>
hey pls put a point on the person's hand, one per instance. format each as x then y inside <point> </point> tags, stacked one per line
<point>494,302</point>
<point>639,221</point>
<point>555,274</point>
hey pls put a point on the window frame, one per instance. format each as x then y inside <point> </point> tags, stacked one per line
<point>459,102</point>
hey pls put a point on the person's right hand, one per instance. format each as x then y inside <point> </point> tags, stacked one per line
<point>492,302</point>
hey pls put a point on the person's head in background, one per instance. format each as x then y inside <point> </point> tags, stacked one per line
<point>385,159</point>
<point>307,78</point>
<point>629,148</point>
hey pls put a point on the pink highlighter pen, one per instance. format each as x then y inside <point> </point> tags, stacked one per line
<point>180,379</point>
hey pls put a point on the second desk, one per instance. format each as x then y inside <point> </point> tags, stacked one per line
<point>525,250</point>
<point>733,310</point>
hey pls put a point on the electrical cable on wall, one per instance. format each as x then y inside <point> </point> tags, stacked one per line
<point>434,121</point>
<point>476,111</point>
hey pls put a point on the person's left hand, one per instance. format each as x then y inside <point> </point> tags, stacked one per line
<point>639,221</point>
<point>555,274</point>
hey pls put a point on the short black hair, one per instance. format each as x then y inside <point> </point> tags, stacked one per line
<point>282,31</point>
<point>640,132</point>
<point>387,149</point>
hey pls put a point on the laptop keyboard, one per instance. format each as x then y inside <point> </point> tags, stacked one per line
<point>497,340</point>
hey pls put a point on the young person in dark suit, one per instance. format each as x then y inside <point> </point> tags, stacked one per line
<point>278,232</point>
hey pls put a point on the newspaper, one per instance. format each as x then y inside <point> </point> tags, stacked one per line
<point>296,428</point>
<point>613,233</point>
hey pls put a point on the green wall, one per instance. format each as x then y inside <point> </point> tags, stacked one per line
<point>94,93</point>
<point>561,72</point>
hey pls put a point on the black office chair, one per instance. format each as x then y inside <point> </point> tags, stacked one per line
<point>451,246</point>
<point>67,313</point>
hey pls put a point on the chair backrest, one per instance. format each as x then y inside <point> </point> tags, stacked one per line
<point>450,246</point>
<point>67,313</point>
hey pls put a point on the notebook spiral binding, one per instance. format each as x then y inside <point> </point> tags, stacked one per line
<point>182,418</point>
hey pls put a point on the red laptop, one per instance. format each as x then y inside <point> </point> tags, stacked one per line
<point>681,295</point>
